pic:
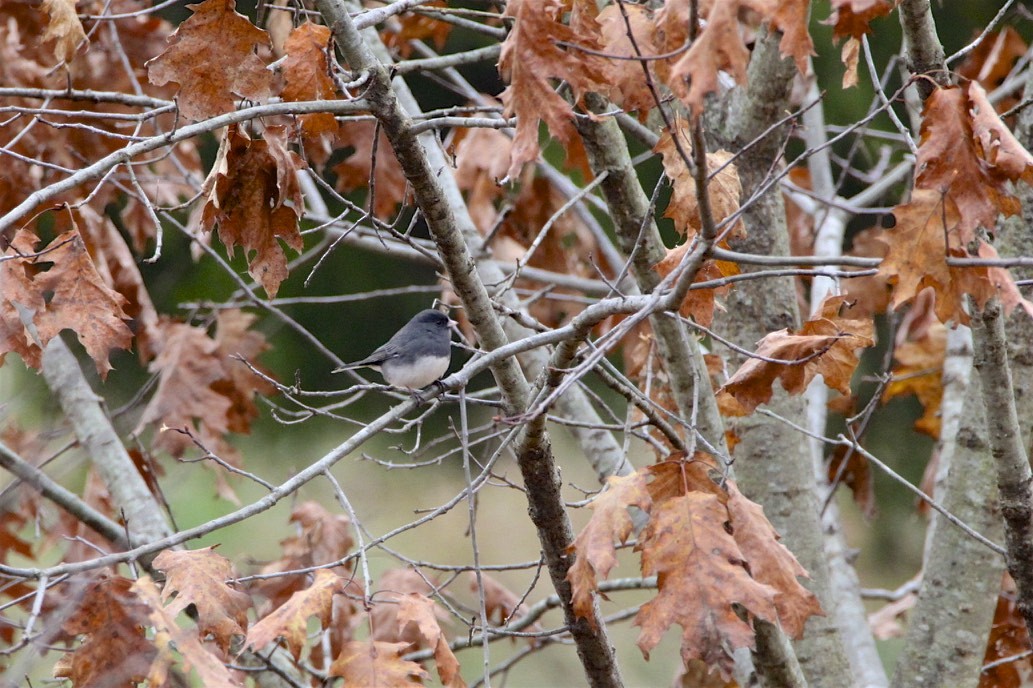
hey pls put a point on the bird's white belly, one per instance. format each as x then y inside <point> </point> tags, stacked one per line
<point>414,375</point>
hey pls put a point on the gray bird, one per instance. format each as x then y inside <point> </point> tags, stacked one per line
<point>417,355</point>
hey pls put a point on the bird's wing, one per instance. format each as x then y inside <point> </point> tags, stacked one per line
<point>388,350</point>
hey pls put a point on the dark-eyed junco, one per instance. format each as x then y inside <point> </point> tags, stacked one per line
<point>417,355</point>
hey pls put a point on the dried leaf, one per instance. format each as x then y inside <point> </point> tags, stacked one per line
<point>700,575</point>
<point>993,58</point>
<point>64,27</point>
<point>531,57</point>
<point>723,187</point>
<point>212,58</point>
<point>389,183</point>
<point>251,187</point>
<point>999,146</point>
<point>501,604</point>
<point>306,74</point>
<point>918,370</point>
<point>323,537</point>
<point>852,18</point>
<point>418,27</point>
<point>115,651</point>
<point>629,88</point>
<point>19,296</point>
<point>199,578</point>
<point>187,365</point>
<point>82,302</point>
<point>290,620</point>
<point>825,345</point>
<point>377,665</point>
<point>771,563</point>
<point>719,47</point>
<point>419,611</point>
<point>210,669</point>
<point>965,163</point>
<point>594,545</point>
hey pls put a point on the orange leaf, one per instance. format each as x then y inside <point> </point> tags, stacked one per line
<point>917,258</point>
<point>999,146</point>
<point>824,346</point>
<point>389,184</point>
<point>212,58</point>
<point>290,620</point>
<point>723,188</point>
<point>699,304</point>
<point>233,337</point>
<point>918,370</point>
<point>377,665</point>
<point>324,537</point>
<point>501,604</point>
<point>791,18</point>
<point>199,577</point>
<point>250,186</point>
<point>629,88</point>
<point>418,27</point>
<point>965,163</point>
<point>994,57</point>
<point>596,554</point>
<point>700,575</point>
<point>771,563</point>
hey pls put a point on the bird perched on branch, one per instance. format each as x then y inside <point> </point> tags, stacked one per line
<point>417,355</point>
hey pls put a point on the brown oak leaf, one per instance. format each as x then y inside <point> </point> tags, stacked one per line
<point>927,232</point>
<point>955,160</point>
<point>852,18</point>
<point>323,537</point>
<point>389,186</point>
<point>290,620</point>
<point>377,665</point>
<point>531,57</point>
<point>771,563</point>
<point>826,345</point>
<point>419,611</point>
<point>700,576</point>
<point>306,75</point>
<point>187,366</point>
<point>918,370</point>
<point>64,27</point>
<point>719,47</point>
<point>115,651</point>
<point>594,545</point>
<point>198,577</point>
<point>629,88</point>
<point>723,186</point>
<point>19,298</point>
<point>249,190</point>
<point>417,27</point>
<point>212,57</point>
<point>80,301</point>
<point>167,634</point>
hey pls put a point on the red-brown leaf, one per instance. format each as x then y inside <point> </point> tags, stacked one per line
<point>212,58</point>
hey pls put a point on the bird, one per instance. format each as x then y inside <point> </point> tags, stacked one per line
<point>417,355</point>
